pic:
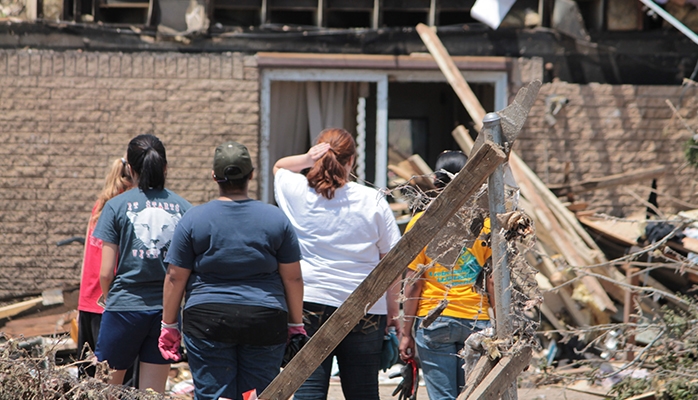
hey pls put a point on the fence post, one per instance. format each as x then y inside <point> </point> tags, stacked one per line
<point>500,265</point>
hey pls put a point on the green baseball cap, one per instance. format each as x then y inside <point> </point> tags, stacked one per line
<point>231,161</point>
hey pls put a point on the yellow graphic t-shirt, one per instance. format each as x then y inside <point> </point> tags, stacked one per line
<point>464,301</point>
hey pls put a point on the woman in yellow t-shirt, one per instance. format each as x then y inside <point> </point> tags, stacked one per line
<point>438,344</point>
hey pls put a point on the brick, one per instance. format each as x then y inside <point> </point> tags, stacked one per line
<point>130,94</point>
<point>126,65</point>
<point>137,66</point>
<point>234,107</point>
<point>171,66</point>
<point>80,65</point>
<point>35,64</point>
<point>226,66</point>
<point>103,65</point>
<point>204,67</point>
<point>182,67</point>
<point>241,118</point>
<point>17,82</point>
<point>92,65</point>
<point>63,93</point>
<point>250,61</point>
<point>215,67</point>
<point>238,72</point>
<point>3,63</point>
<point>127,105</point>
<point>69,67</point>
<point>159,67</point>
<point>66,82</point>
<point>115,66</point>
<point>251,74</point>
<point>13,64</point>
<point>24,64</point>
<point>182,106</point>
<point>149,66</point>
<point>46,65</point>
<point>192,118</point>
<point>124,83</point>
<point>192,67</point>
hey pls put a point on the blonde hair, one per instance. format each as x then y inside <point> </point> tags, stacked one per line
<point>116,182</point>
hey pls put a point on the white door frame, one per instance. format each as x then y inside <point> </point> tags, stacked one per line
<point>381,78</point>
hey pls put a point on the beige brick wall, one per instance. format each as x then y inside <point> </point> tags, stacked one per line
<point>65,115</point>
<point>607,129</point>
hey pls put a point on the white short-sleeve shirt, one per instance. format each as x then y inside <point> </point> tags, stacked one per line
<point>341,239</point>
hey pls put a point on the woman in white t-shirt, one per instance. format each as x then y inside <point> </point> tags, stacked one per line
<point>344,229</point>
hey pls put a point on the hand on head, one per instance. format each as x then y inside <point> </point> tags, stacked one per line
<point>317,151</point>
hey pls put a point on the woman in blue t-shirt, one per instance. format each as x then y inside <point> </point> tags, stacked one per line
<point>136,228</point>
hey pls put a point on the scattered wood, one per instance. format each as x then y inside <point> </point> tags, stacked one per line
<point>503,374</point>
<point>48,298</point>
<point>608,181</point>
<point>39,326</point>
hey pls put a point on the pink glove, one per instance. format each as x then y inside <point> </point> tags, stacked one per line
<point>168,344</point>
<point>296,330</point>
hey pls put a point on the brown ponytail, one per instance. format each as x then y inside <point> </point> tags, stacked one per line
<point>329,173</point>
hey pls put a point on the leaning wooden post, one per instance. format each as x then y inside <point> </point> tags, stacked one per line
<point>500,266</point>
<point>439,212</point>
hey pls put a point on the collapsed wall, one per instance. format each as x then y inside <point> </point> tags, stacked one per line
<point>604,130</point>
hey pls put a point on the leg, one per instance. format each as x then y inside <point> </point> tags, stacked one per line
<point>119,341</point>
<point>117,377</point>
<point>152,368</point>
<point>152,376</point>
<point>318,384</point>
<point>358,356</point>
<point>213,366</point>
<point>88,332</point>
<point>258,366</point>
<point>436,350</point>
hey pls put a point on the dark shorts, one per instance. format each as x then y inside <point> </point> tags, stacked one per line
<point>124,335</point>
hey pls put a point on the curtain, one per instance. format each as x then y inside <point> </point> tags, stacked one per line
<point>299,111</point>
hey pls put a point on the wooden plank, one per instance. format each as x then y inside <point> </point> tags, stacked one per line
<point>39,326</point>
<point>609,181</point>
<point>14,309</point>
<point>564,240</point>
<point>483,367</point>
<point>462,137</point>
<point>441,209</point>
<point>453,75</point>
<point>502,376</point>
<point>607,231</point>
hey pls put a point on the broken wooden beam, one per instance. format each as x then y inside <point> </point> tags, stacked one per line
<point>608,181</point>
<point>483,367</point>
<point>440,210</point>
<point>502,376</point>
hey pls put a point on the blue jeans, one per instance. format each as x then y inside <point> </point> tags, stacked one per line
<point>228,370</point>
<point>358,356</point>
<point>437,347</point>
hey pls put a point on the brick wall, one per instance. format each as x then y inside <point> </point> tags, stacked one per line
<point>65,115</point>
<point>606,129</point>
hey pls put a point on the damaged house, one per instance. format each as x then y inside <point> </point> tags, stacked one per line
<point>81,77</point>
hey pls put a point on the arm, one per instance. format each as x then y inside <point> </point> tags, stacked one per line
<point>173,291</point>
<point>106,271</point>
<point>292,280</point>
<point>412,294</point>
<point>392,298</point>
<point>300,162</point>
